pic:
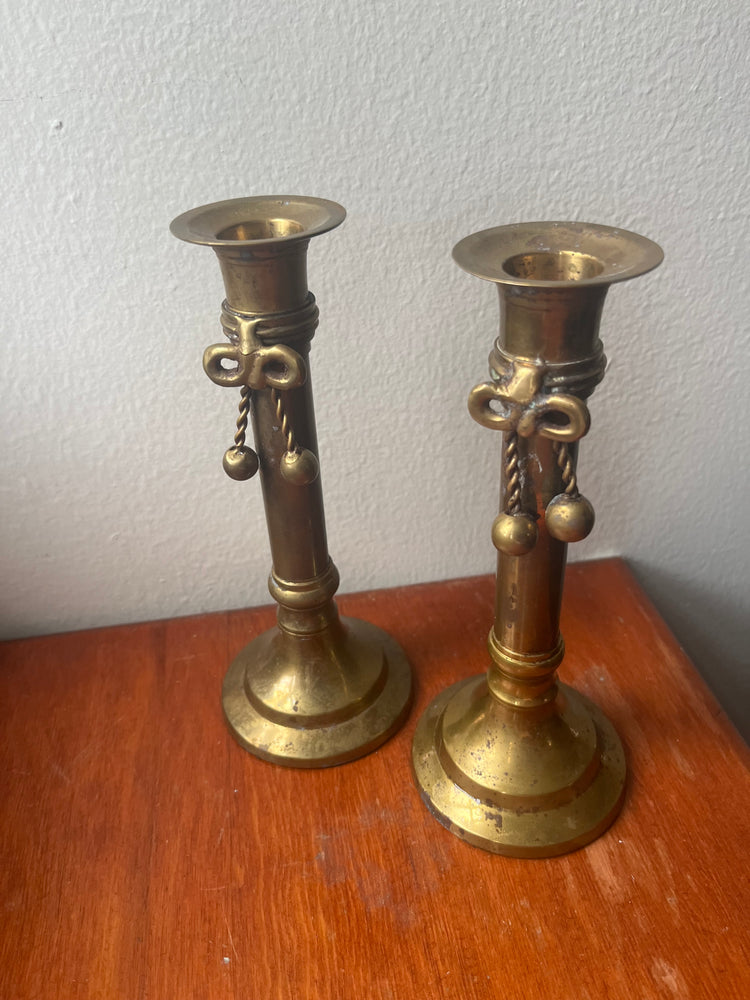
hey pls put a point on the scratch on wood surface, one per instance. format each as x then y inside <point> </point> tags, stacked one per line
<point>670,976</point>
<point>95,745</point>
<point>683,765</point>
<point>56,769</point>
<point>601,864</point>
<point>229,932</point>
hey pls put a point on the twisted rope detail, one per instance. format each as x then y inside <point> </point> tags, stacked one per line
<point>565,463</point>
<point>512,475</point>
<point>281,416</point>
<point>239,437</point>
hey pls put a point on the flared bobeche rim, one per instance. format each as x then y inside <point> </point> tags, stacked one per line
<point>621,253</point>
<point>203,225</point>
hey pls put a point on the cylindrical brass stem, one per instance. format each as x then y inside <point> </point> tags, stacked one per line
<point>558,328</point>
<point>295,516</point>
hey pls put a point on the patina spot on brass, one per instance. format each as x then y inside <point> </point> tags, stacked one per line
<point>560,266</point>
<point>261,229</point>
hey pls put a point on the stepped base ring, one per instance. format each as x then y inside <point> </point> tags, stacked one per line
<point>371,722</point>
<point>568,823</point>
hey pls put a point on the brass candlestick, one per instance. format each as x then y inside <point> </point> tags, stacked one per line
<point>317,689</point>
<point>512,761</point>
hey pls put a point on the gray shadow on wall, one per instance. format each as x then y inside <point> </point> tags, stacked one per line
<point>714,634</point>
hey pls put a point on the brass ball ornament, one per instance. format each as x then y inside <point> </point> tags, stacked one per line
<point>569,518</point>
<point>240,463</point>
<point>514,534</point>
<point>299,467</point>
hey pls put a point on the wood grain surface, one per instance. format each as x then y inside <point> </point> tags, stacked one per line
<point>145,856</point>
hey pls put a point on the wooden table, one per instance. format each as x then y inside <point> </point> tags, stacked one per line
<point>147,857</point>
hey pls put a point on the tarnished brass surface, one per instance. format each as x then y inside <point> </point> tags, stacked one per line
<point>514,762</point>
<point>316,690</point>
<point>528,788</point>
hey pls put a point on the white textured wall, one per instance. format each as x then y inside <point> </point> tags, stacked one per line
<point>427,120</point>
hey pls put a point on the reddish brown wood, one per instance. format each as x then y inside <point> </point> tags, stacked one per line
<point>147,857</point>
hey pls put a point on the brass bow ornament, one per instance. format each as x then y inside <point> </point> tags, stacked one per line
<point>247,363</point>
<point>518,406</point>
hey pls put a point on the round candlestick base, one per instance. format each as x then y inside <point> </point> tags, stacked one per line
<point>528,783</point>
<point>318,699</point>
